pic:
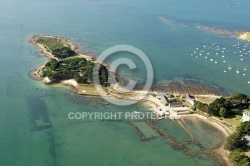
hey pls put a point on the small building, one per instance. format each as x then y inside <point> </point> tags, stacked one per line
<point>246,116</point>
<point>181,110</point>
<point>190,99</point>
<point>170,95</point>
<point>175,104</point>
<point>164,100</point>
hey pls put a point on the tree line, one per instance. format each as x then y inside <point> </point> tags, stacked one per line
<point>237,144</point>
<point>222,107</point>
<point>74,68</point>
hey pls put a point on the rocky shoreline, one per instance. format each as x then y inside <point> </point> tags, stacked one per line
<point>180,87</point>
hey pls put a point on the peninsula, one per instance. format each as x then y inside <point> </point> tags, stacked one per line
<point>68,66</point>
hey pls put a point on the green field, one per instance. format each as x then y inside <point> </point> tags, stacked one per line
<point>51,43</point>
<point>56,46</point>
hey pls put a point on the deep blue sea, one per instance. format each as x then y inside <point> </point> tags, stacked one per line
<point>97,25</point>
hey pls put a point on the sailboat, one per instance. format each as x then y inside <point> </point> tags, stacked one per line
<point>237,71</point>
<point>229,67</point>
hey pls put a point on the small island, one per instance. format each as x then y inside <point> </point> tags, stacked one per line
<point>66,65</point>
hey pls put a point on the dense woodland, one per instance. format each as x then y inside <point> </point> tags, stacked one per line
<point>68,68</point>
<point>224,107</point>
<point>237,144</point>
<point>77,68</point>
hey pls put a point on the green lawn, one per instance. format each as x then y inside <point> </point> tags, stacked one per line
<point>52,43</point>
<point>233,120</point>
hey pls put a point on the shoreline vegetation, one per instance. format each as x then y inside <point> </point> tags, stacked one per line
<point>65,59</point>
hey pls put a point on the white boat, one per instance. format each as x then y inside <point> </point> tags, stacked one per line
<point>222,56</point>
<point>224,61</point>
<point>237,71</point>
<point>206,57</point>
<point>245,68</point>
<point>241,59</point>
<point>248,82</point>
<point>244,74</point>
<point>225,71</point>
<point>211,60</point>
<point>215,62</point>
<point>229,67</point>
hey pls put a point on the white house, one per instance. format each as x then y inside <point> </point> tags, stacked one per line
<point>190,99</point>
<point>164,100</point>
<point>246,116</point>
<point>248,139</point>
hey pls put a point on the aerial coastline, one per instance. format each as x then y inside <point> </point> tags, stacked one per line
<point>89,89</point>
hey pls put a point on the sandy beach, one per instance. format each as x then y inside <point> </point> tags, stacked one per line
<point>71,82</point>
<point>244,36</point>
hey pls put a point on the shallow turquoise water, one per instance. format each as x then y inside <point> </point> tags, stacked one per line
<point>97,25</point>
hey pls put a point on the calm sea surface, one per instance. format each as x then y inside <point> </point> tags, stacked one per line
<point>34,124</point>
